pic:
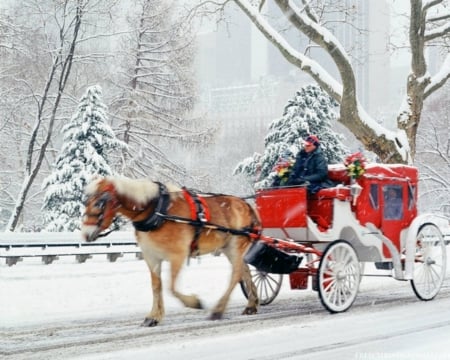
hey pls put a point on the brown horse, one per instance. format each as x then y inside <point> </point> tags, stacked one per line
<point>167,228</point>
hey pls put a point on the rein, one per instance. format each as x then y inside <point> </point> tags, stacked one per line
<point>199,220</point>
<point>247,231</point>
<point>200,217</point>
<point>106,233</point>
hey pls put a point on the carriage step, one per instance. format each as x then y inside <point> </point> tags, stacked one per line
<point>384,265</point>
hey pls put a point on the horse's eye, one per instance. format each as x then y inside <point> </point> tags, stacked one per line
<point>102,201</point>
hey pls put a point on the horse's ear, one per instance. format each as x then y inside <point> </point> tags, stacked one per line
<point>92,183</point>
<point>94,177</point>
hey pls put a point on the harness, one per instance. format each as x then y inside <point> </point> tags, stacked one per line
<point>199,212</point>
<point>157,218</point>
<point>200,217</point>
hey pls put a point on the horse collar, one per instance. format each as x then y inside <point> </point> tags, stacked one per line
<point>156,219</point>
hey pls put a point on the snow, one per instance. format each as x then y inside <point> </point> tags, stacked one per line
<point>66,290</point>
<point>325,33</point>
<point>313,68</point>
<point>306,63</point>
<point>87,133</point>
<point>34,295</point>
<point>441,75</point>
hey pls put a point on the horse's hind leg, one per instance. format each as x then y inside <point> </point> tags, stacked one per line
<point>239,272</point>
<point>253,301</point>
<point>190,301</point>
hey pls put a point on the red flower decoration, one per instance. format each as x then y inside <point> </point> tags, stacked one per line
<point>356,165</point>
<point>283,168</point>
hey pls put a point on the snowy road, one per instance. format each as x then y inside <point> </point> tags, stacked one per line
<point>93,311</point>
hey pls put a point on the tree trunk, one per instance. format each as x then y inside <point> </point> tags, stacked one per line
<point>417,80</point>
<point>398,146</point>
<point>33,170</point>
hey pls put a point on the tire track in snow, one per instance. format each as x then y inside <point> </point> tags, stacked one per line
<point>76,338</point>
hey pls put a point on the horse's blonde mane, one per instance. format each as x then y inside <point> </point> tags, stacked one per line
<point>139,190</point>
<point>91,187</point>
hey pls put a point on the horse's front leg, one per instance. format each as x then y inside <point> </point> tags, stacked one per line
<point>155,316</point>
<point>176,264</point>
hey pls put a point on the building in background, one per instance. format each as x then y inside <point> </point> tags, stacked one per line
<point>245,82</point>
<point>235,54</point>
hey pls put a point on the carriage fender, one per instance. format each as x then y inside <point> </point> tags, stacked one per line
<point>411,238</point>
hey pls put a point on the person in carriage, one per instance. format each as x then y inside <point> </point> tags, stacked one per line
<point>310,168</point>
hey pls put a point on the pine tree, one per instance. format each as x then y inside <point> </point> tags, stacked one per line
<point>311,111</point>
<point>88,142</point>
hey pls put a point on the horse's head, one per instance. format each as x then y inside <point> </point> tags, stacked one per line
<point>100,208</point>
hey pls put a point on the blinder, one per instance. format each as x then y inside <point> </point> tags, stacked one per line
<point>101,202</point>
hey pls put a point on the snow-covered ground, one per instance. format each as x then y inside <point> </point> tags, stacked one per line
<point>93,311</point>
<point>33,293</point>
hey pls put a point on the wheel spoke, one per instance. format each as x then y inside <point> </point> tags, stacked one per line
<point>331,284</point>
<point>430,264</point>
<point>338,274</point>
<point>267,285</point>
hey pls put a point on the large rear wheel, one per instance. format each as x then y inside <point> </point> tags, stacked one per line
<point>429,262</point>
<point>338,276</point>
<point>268,285</point>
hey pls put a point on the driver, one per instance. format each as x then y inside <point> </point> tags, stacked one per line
<point>310,167</point>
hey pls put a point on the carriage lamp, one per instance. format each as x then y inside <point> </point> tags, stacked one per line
<point>355,190</point>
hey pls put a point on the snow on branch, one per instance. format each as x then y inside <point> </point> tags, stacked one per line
<point>438,32</point>
<point>298,59</point>
<point>440,78</point>
<point>324,33</point>
<point>428,4</point>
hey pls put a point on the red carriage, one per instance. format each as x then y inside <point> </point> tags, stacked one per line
<point>325,238</point>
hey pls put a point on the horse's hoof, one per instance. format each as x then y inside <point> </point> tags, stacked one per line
<point>199,305</point>
<point>250,310</point>
<point>149,322</point>
<point>215,316</point>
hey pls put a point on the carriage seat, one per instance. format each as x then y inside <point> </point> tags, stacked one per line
<point>320,205</point>
<point>287,207</point>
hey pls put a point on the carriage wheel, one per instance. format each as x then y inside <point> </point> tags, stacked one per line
<point>430,262</point>
<point>268,285</point>
<point>338,276</point>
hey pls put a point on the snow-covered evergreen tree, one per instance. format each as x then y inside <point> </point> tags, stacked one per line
<point>311,111</point>
<point>88,143</point>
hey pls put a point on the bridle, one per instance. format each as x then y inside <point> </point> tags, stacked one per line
<point>107,204</point>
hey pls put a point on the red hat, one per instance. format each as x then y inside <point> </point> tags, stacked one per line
<point>312,140</point>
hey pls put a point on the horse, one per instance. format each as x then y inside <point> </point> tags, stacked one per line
<point>173,224</point>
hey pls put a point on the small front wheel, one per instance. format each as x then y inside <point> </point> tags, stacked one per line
<point>429,262</point>
<point>268,285</point>
<point>338,276</point>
